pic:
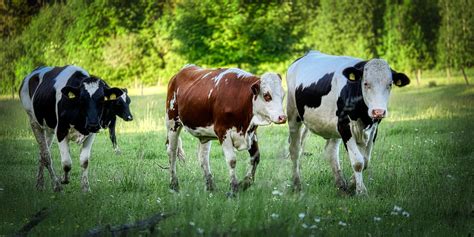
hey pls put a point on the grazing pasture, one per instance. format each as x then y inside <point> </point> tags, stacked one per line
<point>419,179</point>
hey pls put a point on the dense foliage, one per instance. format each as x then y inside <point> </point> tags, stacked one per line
<point>144,42</point>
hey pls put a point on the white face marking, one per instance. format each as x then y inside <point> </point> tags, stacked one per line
<point>239,72</point>
<point>266,112</point>
<point>91,87</point>
<point>376,84</point>
<point>124,97</point>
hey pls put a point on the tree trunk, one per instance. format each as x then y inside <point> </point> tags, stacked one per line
<point>418,76</point>
<point>448,73</point>
<point>465,76</point>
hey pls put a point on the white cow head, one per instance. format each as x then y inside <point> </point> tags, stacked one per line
<point>376,80</point>
<point>268,100</point>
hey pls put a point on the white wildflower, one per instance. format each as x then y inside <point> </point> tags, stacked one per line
<point>393,213</point>
<point>274,216</point>
<point>317,219</point>
<point>301,215</point>
<point>341,223</point>
<point>405,214</point>
<point>200,231</point>
<point>277,193</point>
<point>397,208</point>
<point>376,218</point>
<point>304,225</point>
<point>313,227</point>
<point>158,200</point>
<point>191,223</point>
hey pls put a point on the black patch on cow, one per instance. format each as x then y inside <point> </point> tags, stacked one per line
<point>44,101</point>
<point>311,96</point>
<point>33,84</point>
<point>351,106</point>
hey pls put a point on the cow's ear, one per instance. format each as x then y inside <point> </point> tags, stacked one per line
<point>400,79</point>
<point>70,92</point>
<point>112,93</point>
<point>256,88</point>
<point>352,73</point>
<point>279,76</point>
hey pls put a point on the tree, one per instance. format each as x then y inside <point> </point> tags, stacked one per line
<point>235,32</point>
<point>456,44</point>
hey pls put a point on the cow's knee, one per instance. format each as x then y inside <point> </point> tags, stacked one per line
<point>358,166</point>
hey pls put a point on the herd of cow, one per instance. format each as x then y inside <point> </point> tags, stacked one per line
<point>336,97</point>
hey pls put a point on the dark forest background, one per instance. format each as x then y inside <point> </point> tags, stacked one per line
<point>144,42</point>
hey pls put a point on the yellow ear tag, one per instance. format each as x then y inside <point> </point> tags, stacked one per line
<point>71,95</point>
<point>112,97</point>
<point>398,82</point>
<point>352,77</point>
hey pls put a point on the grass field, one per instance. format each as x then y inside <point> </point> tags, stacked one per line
<point>422,163</point>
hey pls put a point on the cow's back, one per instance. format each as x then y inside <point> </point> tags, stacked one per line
<point>216,98</point>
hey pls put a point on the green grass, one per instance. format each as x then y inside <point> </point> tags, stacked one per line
<point>422,162</point>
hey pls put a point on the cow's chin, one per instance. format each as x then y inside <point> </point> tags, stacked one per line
<point>260,120</point>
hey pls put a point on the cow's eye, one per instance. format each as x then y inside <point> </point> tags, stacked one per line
<point>390,86</point>
<point>267,97</point>
<point>366,85</point>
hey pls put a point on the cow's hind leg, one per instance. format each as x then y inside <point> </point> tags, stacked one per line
<point>172,150</point>
<point>254,160</point>
<point>204,150</point>
<point>45,159</point>
<point>331,151</point>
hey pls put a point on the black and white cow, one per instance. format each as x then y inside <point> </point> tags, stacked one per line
<point>338,97</point>
<point>66,102</point>
<point>112,108</point>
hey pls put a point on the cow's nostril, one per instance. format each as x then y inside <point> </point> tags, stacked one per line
<point>378,113</point>
<point>282,118</point>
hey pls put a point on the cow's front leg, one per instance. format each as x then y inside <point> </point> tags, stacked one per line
<point>295,149</point>
<point>65,159</point>
<point>113,137</point>
<point>254,160</point>
<point>204,150</point>
<point>229,154</point>
<point>358,163</point>
<point>84,161</point>
<point>331,151</point>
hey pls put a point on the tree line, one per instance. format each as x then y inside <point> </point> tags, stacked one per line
<point>144,42</point>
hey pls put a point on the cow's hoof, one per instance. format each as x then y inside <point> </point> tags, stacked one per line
<point>40,185</point>
<point>57,187</point>
<point>231,194</point>
<point>210,186</point>
<point>174,185</point>
<point>341,185</point>
<point>117,151</point>
<point>246,183</point>
<point>296,184</point>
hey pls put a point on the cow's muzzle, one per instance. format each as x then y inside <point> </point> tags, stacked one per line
<point>281,119</point>
<point>378,113</point>
<point>128,118</point>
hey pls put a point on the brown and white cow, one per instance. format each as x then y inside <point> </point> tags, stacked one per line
<point>224,104</point>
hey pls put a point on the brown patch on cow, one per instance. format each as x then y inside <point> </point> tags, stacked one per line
<point>229,105</point>
<point>232,163</point>
<point>33,84</point>
<point>85,164</point>
<point>358,167</point>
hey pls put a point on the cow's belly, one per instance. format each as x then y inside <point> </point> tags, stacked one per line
<point>321,121</point>
<point>202,132</point>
